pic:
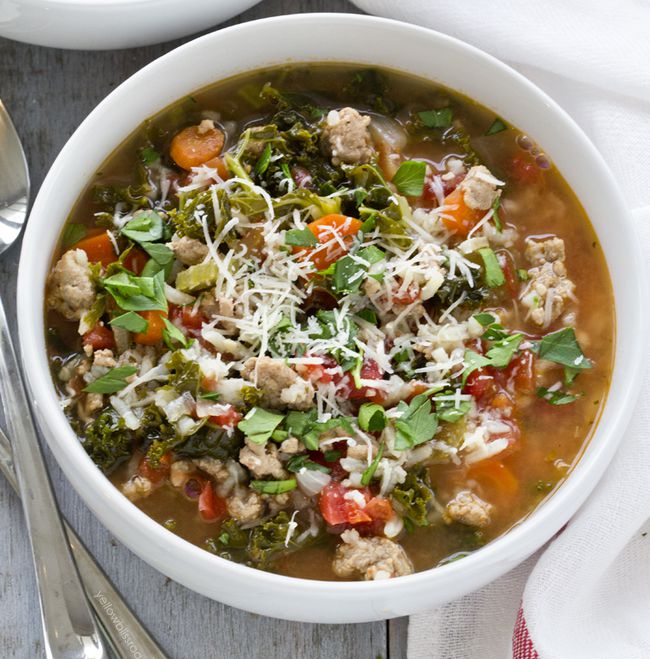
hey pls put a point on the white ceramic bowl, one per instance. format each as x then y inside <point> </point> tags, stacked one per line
<point>103,24</point>
<point>318,38</point>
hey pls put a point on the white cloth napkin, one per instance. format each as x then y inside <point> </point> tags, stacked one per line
<point>587,594</point>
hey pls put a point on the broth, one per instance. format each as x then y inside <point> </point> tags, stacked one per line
<point>422,130</point>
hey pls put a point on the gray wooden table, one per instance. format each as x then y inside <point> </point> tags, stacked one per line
<point>49,92</point>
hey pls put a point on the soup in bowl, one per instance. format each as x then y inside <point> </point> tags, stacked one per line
<point>318,319</point>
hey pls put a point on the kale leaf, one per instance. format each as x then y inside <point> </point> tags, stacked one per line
<point>411,498</point>
<point>107,441</point>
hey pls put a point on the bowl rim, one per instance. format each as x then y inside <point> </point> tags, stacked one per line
<point>519,541</point>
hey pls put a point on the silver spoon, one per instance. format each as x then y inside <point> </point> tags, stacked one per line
<point>69,626</point>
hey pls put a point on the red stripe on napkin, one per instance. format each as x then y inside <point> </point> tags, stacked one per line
<point>522,646</point>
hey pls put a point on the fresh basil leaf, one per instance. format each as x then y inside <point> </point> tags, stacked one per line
<point>369,472</point>
<point>372,254</point>
<point>171,333</point>
<point>137,293</point>
<point>111,382</point>
<point>210,395</point>
<point>562,348</point>
<point>501,352</point>
<point>493,274</point>
<point>263,161</point>
<point>274,487</point>
<point>372,417</point>
<point>146,226</point>
<point>73,233</point>
<point>348,275</point>
<point>298,462</point>
<point>417,423</point>
<point>495,213</point>
<point>368,315</point>
<point>485,318</point>
<point>149,155</point>
<point>497,126</point>
<point>300,238</point>
<point>409,178</point>
<point>369,224</point>
<point>556,397</point>
<point>130,321</point>
<point>161,254</point>
<point>258,424</point>
<point>123,283</point>
<point>440,118</point>
<point>473,361</point>
<point>448,411</point>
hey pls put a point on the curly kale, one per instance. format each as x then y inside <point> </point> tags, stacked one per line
<point>370,87</point>
<point>258,546</point>
<point>134,195</point>
<point>184,374</point>
<point>412,497</point>
<point>182,218</point>
<point>107,441</point>
<point>209,442</point>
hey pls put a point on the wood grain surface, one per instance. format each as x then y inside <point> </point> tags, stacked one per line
<point>48,93</point>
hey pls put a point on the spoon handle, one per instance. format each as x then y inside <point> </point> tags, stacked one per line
<point>69,627</point>
<point>121,627</point>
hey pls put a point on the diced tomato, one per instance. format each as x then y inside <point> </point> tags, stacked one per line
<point>212,508</point>
<point>319,372</point>
<point>336,509</point>
<point>190,317</point>
<point>229,418</point>
<point>155,474</point>
<point>326,229</point>
<point>336,470</point>
<point>100,337</point>
<point>135,260</point>
<point>379,509</point>
<point>480,383</point>
<point>369,371</point>
<point>521,371</point>
<point>523,169</point>
<point>410,295</point>
<point>154,332</point>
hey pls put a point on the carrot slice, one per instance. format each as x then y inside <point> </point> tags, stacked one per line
<point>219,164</point>
<point>495,475</point>
<point>459,217</point>
<point>154,332</point>
<point>327,229</point>
<point>99,249</point>
<point>194,146</point>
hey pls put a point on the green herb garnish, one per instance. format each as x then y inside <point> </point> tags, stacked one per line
<point>440,118</point>
<point>372,417</point>
<point>497,126</point>
<point>111,382</point>
<point>409,178</point>
<point>130,321</point>
<point>493,274</point>
<point>274,487</point>
<point>258,424</point>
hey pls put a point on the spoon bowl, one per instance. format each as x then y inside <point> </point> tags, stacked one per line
<point>14,182</point>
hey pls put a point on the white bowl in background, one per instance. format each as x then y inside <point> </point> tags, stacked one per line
<point>369,41</point>
<point>105,24</point>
